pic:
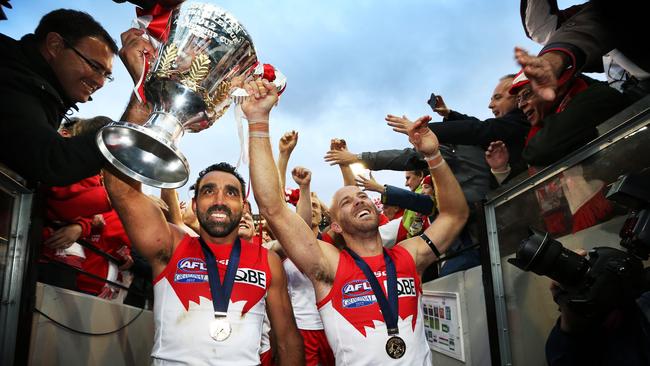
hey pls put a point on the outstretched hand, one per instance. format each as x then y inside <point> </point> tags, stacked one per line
<point>288,142</point>
<point>401,124</point>
<point>339,154</point>
<point>497,156</point>
<point>540,72</point>
<point>341,157</point>
<point>262,96</point>
<point>369,184</point>
<point>422,138</point>
<point>302,176</point>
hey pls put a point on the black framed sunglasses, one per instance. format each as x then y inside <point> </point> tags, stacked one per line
<point>93,65</point>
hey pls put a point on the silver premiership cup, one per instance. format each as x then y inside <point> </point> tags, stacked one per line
<point>188,84</point>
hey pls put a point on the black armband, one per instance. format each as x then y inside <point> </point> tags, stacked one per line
<point>431,245</point>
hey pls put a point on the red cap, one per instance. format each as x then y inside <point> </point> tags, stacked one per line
<point>519,81</point>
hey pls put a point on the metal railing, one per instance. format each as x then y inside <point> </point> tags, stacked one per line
<point>15,219</point>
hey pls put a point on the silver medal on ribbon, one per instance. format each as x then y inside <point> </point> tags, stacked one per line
<point>220,327</point>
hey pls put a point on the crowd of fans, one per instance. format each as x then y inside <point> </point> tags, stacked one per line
<point>542,112</point>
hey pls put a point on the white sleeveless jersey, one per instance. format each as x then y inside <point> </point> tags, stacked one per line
<point>303,298</point>
<point>183,307</point>
<point>354,324</point>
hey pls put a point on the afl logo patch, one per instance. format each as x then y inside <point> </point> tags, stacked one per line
<point>357,293</point>
<point>191,270</point>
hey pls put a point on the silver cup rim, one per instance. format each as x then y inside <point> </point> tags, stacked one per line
<point>128,171</point>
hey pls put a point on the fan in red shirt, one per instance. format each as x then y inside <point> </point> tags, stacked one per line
<point>81,212</point>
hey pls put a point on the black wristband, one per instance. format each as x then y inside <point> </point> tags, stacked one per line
<point>431,245</point>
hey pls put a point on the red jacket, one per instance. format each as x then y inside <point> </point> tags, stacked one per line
<point>112,240</point>
<point>74,204</point>
<point>78,202</point>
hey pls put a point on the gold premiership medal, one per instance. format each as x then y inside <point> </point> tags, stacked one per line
<point>220,329</point>
<point>395,347</point>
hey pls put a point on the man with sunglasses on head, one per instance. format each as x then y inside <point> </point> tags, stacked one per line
<point>42,76</point>
<point>567,120</point>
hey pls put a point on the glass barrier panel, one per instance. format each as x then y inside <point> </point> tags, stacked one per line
<point>574,199</point>
<point>6,204</point>
<point>571,205</point>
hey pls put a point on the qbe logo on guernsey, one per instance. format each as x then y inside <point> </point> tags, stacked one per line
<point>251,276</point>
<point>405,287</point>
<point>358,293</point>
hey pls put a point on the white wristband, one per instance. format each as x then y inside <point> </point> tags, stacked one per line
<point>504,171</point>
<point>442,161</point>
<point>431,157</point>
<point>260,134</point>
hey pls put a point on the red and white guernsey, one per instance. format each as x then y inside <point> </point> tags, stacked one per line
<point>183,307</point>
<point>353,322</point>
<point>303,298</point>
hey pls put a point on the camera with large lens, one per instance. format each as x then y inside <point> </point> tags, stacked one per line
<point>607,278</point>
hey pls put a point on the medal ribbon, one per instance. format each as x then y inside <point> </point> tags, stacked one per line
<point>389,307</point>
<point>221,291</point>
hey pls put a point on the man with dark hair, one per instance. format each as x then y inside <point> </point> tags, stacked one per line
<point>210,291</point>
<point>42,76</point>
<point>220,167</point>
<point>73,26</point>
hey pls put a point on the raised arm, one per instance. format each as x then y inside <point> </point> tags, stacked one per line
<point>133,53</point>
<point>294,234</point>
<point>170,197</point>
<point>287,143</point>
<point>143,221</point>
<point>348,175</point>
<point>338,147</point>
<point>453,210</point>
<point>302,177</point>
